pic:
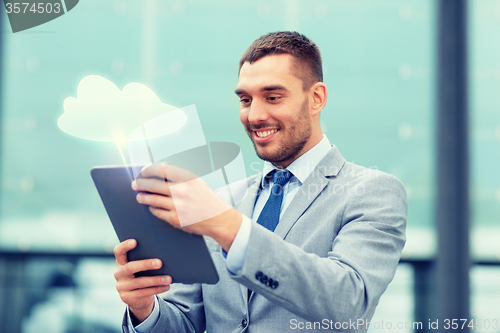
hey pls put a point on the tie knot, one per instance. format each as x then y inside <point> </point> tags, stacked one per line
<point>281,176</point>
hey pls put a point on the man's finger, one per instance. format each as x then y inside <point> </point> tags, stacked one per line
<point>169,216</point>
<point>145,167</point>
<point>121,250</point>
<point>136,266</point>
<point>131,296</point>
<point>153,170</point>
<point>176,174</point>
<point>155,200</point>
<point>152,185</point>
<point>143,282</point>
<point>167,171</point>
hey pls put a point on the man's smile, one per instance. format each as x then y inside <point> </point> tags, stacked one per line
<point>261,136</point>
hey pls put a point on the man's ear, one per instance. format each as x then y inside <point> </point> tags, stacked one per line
<point>318,96</point>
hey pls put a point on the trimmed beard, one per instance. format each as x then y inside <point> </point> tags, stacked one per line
<point>293,145</point>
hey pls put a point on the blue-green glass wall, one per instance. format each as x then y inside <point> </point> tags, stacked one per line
<point>378,64</point>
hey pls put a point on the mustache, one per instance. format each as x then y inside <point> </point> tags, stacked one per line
<point>256,127</point>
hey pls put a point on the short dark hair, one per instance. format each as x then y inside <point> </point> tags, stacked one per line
<point>305,52</point>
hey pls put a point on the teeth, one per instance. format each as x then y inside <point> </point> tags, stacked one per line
<point>265,133</point>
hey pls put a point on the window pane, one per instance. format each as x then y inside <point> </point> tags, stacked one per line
<point>485,127</point>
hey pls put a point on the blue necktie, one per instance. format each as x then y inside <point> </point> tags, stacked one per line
<point>270,215</point>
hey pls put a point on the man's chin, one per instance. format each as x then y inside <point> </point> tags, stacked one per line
<point>268,153</point>
<point>264,154</point>
<point>267,156</point>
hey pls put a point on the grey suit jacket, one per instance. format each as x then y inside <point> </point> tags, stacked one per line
<point>324,268</point>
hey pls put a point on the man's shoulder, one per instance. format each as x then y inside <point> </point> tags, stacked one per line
<point>370,178</point>
<point>354,171</point>
<point>334,164</point>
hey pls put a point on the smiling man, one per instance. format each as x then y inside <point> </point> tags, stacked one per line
<point>313,245</point>
<point>275,94</point>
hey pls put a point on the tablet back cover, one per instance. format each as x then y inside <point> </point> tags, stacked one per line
<point>185,256</point>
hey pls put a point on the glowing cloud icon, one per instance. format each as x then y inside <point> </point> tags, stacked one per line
<point>152,131</point>
<point>103,112</point>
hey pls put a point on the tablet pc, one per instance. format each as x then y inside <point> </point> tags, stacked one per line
<point>185,256</point>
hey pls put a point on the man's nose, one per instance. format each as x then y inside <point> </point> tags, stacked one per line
<point>257,112</point>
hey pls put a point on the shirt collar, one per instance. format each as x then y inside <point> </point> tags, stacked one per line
<point>303,166</point>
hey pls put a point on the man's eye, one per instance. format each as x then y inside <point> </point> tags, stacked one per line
<point>245,100</point>
<point>273,98</point>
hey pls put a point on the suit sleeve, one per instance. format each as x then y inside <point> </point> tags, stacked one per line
<point>347,283</point>
<point>180,311</point>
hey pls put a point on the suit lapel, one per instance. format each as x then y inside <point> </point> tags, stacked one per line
<point>329,167</point>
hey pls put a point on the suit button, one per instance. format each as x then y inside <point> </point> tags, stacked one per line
<point>258,275</point>
<point>244,323</point>
<point>263,279</point>
<point>270,282</point>
<point>274,285</point>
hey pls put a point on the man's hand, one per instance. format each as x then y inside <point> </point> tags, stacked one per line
<point>138,293</point>
<point>182,199</point>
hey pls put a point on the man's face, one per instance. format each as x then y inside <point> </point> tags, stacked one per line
<point>275,109</point>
